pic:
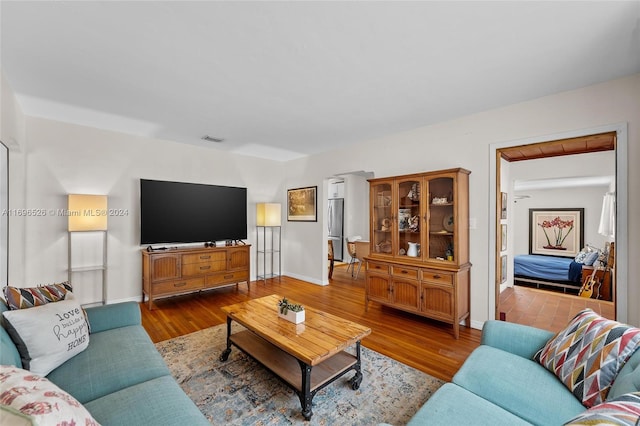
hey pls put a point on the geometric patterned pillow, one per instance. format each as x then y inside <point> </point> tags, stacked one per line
<point>623,410</point>
<point>588,354</point>
<point>20,298</point>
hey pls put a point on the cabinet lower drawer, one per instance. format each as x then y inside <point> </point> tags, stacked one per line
<point>227,277</point>
<point>178,286</point>
<point>437,277</point>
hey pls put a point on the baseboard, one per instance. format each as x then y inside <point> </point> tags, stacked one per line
<point>305,278</point>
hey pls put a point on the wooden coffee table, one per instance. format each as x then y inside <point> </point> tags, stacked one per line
<point>306,356</point>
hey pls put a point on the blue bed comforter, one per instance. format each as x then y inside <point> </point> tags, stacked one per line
<point>547,267</point>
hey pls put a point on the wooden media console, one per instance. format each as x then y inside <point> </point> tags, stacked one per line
<point>184,270</point>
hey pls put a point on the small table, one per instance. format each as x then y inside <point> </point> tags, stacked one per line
<point>306,356</point>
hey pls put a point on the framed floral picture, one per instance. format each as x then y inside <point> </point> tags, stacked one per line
<point>503,237</point>
<point>556,232</point>
<point>302,204</point>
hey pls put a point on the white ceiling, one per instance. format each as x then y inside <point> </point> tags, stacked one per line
<point>287,79</point>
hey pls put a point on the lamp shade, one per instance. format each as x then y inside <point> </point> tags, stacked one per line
<point>268,214</point>
<point>607,225</point>
<point>87,212</point>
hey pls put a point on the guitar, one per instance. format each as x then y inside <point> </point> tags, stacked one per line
<point>591,284</point>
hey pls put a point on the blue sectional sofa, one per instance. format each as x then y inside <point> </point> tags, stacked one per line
<point>121,379</point>
<point>501,384</point>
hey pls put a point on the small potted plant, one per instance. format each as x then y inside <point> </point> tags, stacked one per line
<point>292,312</point>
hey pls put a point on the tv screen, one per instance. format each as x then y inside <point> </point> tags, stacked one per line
<point>176,212</point>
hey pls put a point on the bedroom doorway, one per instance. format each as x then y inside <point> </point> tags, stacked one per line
<point>603,139</point>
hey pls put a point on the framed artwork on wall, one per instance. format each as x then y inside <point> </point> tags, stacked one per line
<point>503,205</point>
<point>556,232</point>
<point>302,204</point>
<point>503,237</point>
<point>503,268</point>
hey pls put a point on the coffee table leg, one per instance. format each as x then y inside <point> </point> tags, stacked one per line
<point>305,394</point>
<point>357,378</point>
<point>225,354</point>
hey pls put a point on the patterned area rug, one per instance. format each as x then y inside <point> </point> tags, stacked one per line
<point>241,392</point>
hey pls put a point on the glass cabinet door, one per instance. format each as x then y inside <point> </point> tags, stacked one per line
<point>409,224</point>
<point>382,218</point>
<point>441,213</point>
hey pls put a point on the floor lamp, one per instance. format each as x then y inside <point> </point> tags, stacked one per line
<point>268,215</point>
<point>88,214</point>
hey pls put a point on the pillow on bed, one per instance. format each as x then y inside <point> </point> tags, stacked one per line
<point>587,256</point>
<point>581,256</point>
<point>590,259</point>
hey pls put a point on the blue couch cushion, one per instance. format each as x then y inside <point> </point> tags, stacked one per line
<point>453,405</point>
<point>519,385</point>
<point>9,354</point>
<point>628,379</point>
<point>114,360</point>
<point>157,402</point>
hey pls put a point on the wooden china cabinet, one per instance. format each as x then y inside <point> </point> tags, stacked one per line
<point>419,253</point>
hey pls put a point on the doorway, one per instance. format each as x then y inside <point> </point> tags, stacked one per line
<point>612,137</point>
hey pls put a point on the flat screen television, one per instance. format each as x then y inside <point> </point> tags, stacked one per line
<point>178,212</point>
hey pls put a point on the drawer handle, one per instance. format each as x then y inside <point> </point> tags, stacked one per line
<point>203,268</point>
<point>437,277</point>
<point>179,284</point>
<point>205,257</point>
<point>404,271</point>
<point>228,276</point>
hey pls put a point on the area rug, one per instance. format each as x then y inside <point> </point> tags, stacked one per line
<point>241,392</point>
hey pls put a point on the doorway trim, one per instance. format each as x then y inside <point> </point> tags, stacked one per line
<point>622,242</point>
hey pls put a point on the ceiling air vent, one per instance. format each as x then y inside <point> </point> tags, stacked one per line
<point>211,139</point>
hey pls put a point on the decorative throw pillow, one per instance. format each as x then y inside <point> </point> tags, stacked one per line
<point>46,336</point>
<point>29,297</point>
<point>33,398</point>
<point>582,254</point>
<point>590,258</point>
<point>588,354</point>
<point>623,410</point>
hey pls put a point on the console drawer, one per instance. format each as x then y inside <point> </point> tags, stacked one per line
<point>195,269</point>
<point>227,277</point>
<point>178,286</point>
<point>203,257</point>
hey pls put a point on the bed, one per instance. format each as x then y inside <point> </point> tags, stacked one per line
<point>558,272</point>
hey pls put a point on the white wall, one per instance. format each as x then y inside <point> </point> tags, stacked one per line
<point>466,142</point>
<point>13,135</point>
<point>588,198</point>
<point>68,159</point>
<point>63,158</point>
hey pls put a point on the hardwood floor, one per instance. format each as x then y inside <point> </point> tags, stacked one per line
<point>546,309</point>
<point>424,344</point>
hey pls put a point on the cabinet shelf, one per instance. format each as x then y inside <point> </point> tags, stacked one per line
<point>266,253</point>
